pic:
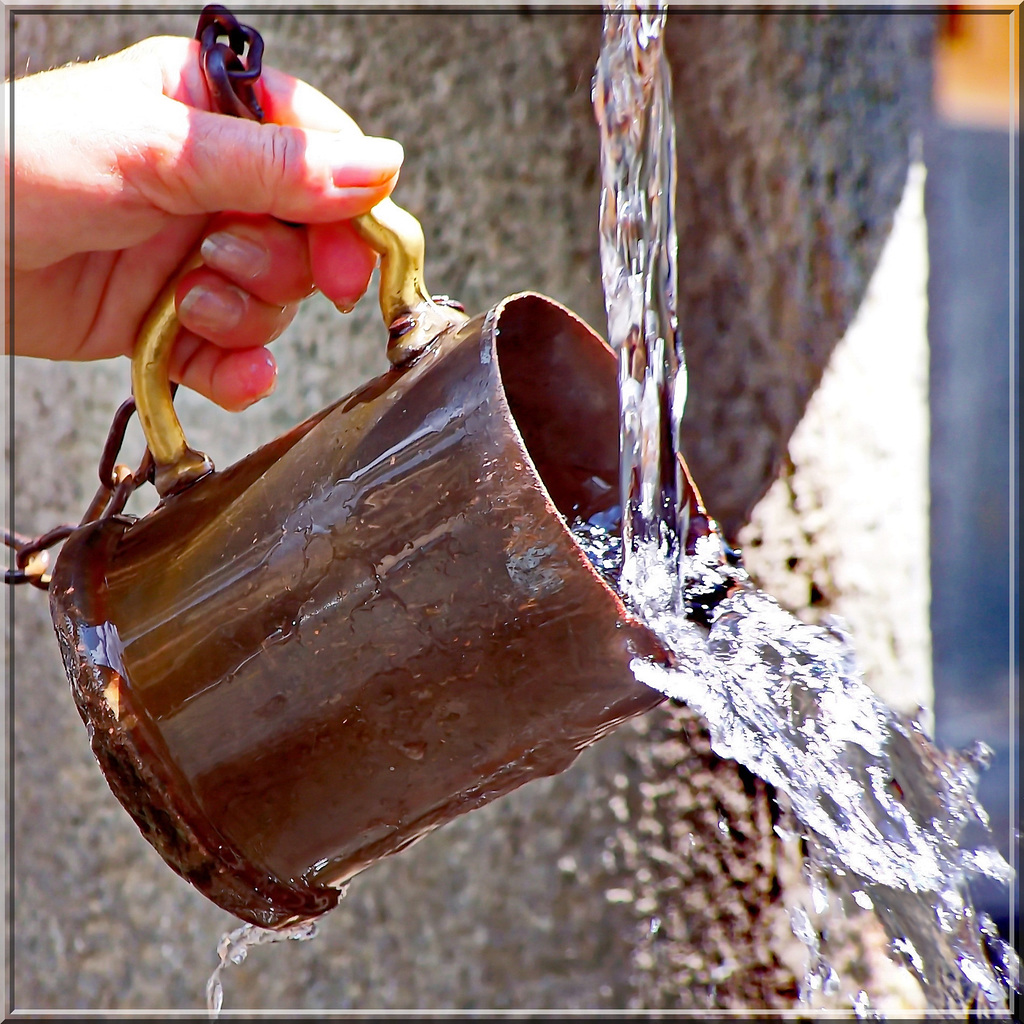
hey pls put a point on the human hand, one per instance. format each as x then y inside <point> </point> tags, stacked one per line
<point>119,168</point>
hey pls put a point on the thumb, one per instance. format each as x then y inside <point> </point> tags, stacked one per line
<point>293,173</point>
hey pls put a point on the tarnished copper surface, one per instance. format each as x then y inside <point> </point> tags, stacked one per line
<point>380,621</point>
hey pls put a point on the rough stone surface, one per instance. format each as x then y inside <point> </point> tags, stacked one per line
<point>793,149</point>
<point>795,137</point>
<point>835,524</point>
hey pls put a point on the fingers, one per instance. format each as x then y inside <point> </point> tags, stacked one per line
<point>341,263</point>
<point>274,264</point>
<point>215,309</point>
<point>233,378</point>
<point>308,163</point>
<point>198,162</point>
<point>255,273</point>
<point>288,100</point>
<point>174,66</point>
<point>264,256</point>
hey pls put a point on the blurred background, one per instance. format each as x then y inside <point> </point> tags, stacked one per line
<point>973,230</point>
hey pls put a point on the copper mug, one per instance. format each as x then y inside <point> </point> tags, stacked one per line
<point>380,620</point>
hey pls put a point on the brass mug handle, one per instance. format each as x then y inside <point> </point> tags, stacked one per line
<point>413,319</point>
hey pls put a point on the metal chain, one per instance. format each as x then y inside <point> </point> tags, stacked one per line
<point>117,484</point>
<point>31,558</point>
<point>231,70</point>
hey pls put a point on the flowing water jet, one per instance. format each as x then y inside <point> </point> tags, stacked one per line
<point>633,103</point>
<point>890,822</point>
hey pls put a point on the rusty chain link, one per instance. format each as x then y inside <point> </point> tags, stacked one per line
<point>117,483</point>
<point>231,70</point>
<point>31,557</point>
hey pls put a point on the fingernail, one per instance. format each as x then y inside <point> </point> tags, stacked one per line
<point>365,160</point>
<point>211,310</point>
<point>234,255</point>
<point>267,389</point>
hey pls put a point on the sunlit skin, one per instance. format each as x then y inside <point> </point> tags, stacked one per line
<point>120,170</point>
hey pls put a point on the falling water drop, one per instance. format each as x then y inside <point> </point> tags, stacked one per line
<point>234,946</point>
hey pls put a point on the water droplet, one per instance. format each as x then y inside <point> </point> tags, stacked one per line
<point>415,751</point>
<point>906,948</point>
<point>234,947</point>
<point>862,1007</point>
<point>819,894</point>
<point>214,995</point>
<point>862,899</point>
<point>831,984</point>
<point>802,927</point>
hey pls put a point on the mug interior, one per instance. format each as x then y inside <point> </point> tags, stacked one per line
<point>561,383</point>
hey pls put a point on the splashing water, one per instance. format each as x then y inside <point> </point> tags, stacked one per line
<point>884,811</point>
<point>234,947</point>
<point>888,818</point>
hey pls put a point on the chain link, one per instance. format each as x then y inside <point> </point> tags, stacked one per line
<point>233,69</point>
<point>117,484</point>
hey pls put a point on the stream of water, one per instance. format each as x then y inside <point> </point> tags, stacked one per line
<point>633,104</point>
<point>889,820</point>
<point>234,946</point>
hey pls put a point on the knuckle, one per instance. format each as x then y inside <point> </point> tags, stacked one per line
<point>280,167</point>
